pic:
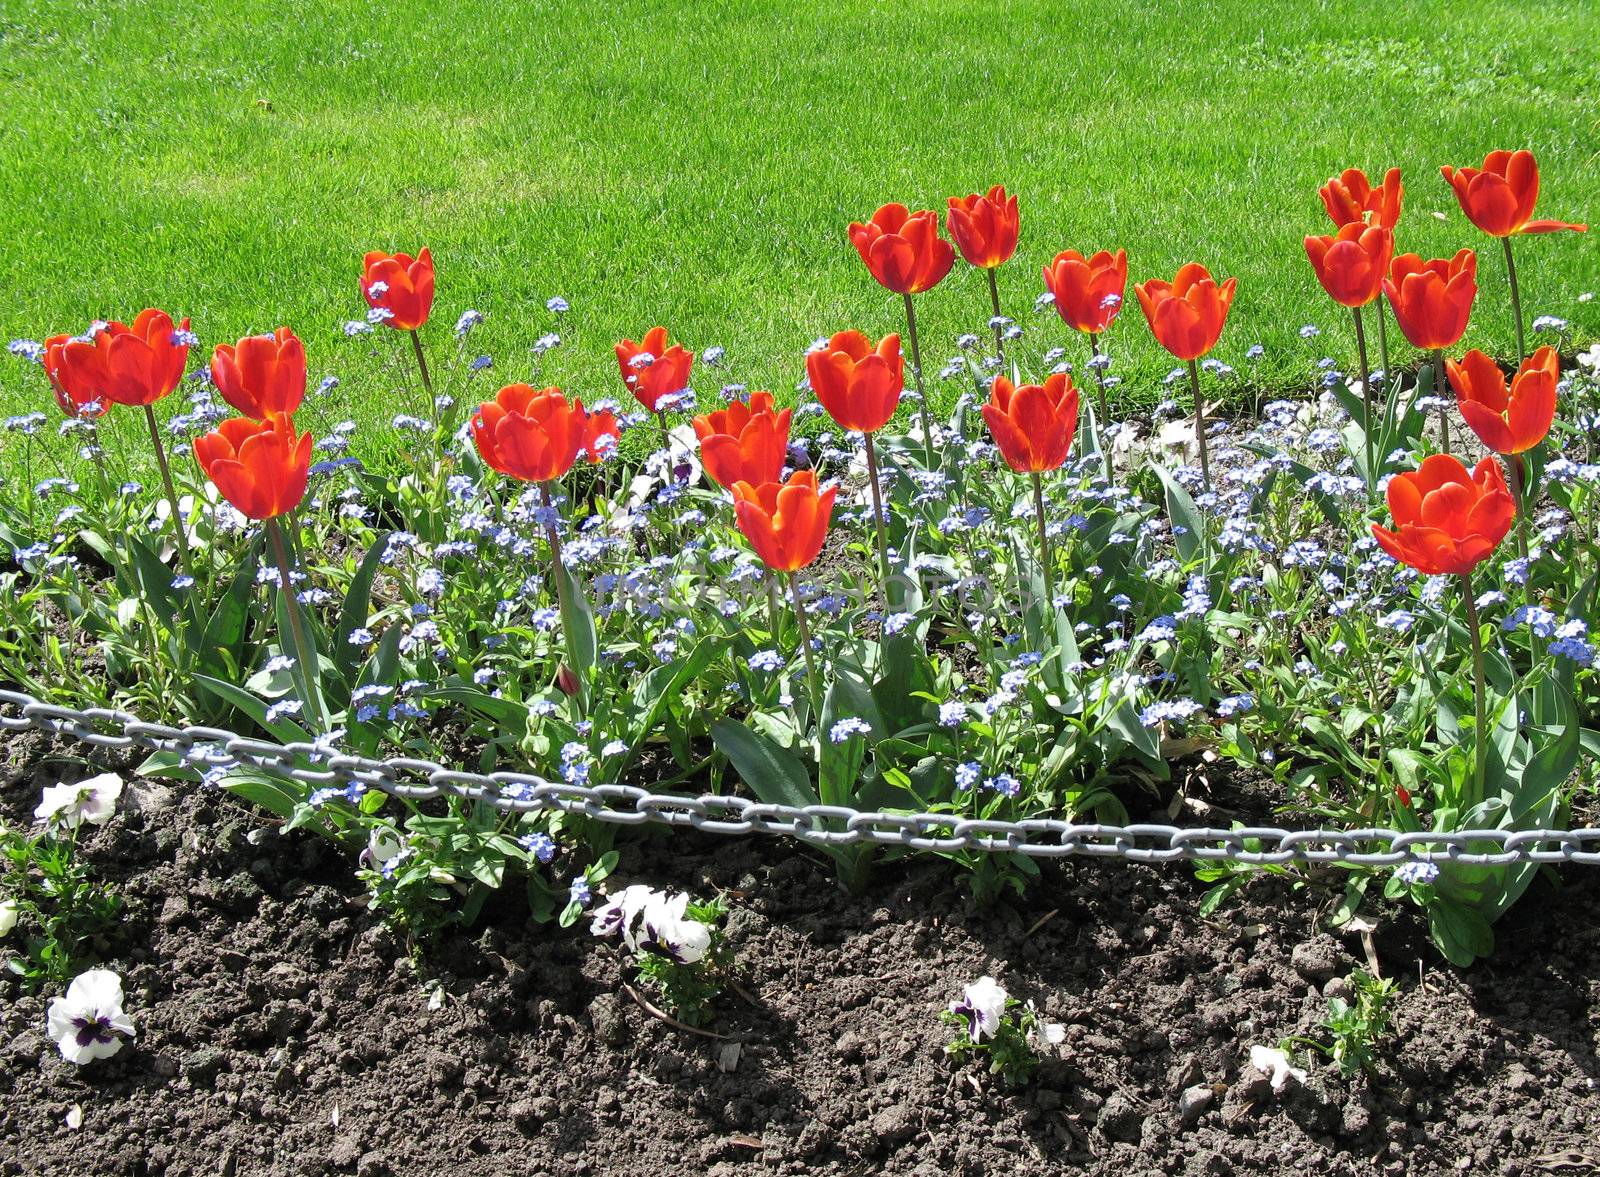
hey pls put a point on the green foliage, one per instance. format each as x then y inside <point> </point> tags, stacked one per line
<point>64,917</point>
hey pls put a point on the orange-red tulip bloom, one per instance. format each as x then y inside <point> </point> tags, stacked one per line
<point>135,365</point>
<point>1352,264</point>
<point>652,370</point>
<point>857,383</point>
<point>262,374</point>
<point>785,522</point>
<point>1432,300</point>
<point>535,434</point>
<point>1508,420</point>
<point>1447,521</point>
<point>744,442</point>
<point>400,284</point>
<point>1087,291</point>
<point>258,466</point>
<point>1351,199</point>
<point>903,249</point>
<point>75,399</point>
<point>1186,315</point>
<point>1499,197</point>
<point>1033,424</point>
<point>984,227</point>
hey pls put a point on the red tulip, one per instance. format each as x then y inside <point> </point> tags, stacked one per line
<point>400,284</point>
<point>858,384</point>
<point>744,442</point>
<point>652,370</point>
<point>1352,264</point>
<point>1432,300</point>
<point>1087,291</point>
<point>259,466</point>
<point>903,249</point>
<point>1186,315</point>
<point>1033,424</point>
<point>1351,199</point>
<point>535,434</point>
<point>262,375</point>
<point>1507,420</point>
<point>1499,197</point>
<point>785,522</point>
<point>135,365</point>
<point>984,228</point>
<point>75,399</point>
<point>1445,520</point>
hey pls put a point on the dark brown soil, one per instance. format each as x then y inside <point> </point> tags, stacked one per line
<point>283,1032</point>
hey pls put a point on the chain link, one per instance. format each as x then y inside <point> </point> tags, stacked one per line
<point>818,825</point>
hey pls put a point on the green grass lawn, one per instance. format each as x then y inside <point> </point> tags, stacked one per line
<point>696,164</point>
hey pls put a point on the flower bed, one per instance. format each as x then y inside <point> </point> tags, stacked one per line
<point>1009,611</point>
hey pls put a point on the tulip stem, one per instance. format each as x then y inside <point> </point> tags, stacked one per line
<point>179,532</point>
<point>1479,734</point>
<point>772,603</point>
<point>1044,545</point>
<point>999,331</point>
<point>1200,423</point>
<point>666,440</point>
<point>1383,340</point>
<point>1105,406</point>
<point>1516,300</point>
<point>556,566</point>
<point>805,647</point>
<point>877,519</point>
<point>305,656</point>
<point>422,369</point>
<point>1444,408</point>
<point>1518,471</point>
<point>916,372</point>
<point>1366,397</point>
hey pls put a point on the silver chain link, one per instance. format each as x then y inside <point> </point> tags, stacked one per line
<point>819,825</point>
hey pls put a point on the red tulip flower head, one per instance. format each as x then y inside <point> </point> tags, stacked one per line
<point>1508,420</point>
<point>400,284</point>
<point>785,522</point>
<point>1186,315</point>
<point>259,466</point>
<point>261,374</point>
<point>1087,291</point>
<point>1432,300</point>
<point>652,370</point>
<point>536,434</point>
<point>857,383</point>
<point>1351,199</point>
<point>135,365</point>
<point>73,397</point>
<point>1352,264</point>
<point>1499,197</point>
<point>1033,424</point>
<point>744,442</point>
<point>903,249</point>
<point>1447,521</point>
<point>984,227</point>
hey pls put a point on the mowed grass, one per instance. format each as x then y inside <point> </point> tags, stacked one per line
<point>696,164</point>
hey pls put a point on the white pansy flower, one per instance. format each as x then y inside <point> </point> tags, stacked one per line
<point>92,801</point>
<point>88,1023</point>
<point>1274,1064</point>
<point>982,1004</point>
<point>618,913</point>
<point>666,930</point>
<point>8,916</point>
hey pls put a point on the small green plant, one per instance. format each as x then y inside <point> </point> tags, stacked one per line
<point>61,914</point>
<point>1355,1026</point>
<point>991,1024</point>
<point>678,946</point>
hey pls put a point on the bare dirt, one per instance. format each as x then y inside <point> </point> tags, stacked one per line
<point>282,1031</point>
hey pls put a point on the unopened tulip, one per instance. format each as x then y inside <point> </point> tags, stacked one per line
<point>259,466</point>
<point>857,383</point>
<point>1509,419</point>
<point>902,249</point>
<point>1087,291</point>
<point>261,374</point>
<point>1352,264</point>
<point>744,442</point>
<point>652,369</point>
<point>400,284</point>
<point>984,227</point>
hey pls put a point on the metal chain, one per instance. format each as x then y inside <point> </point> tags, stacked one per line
<point>819,825</point>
